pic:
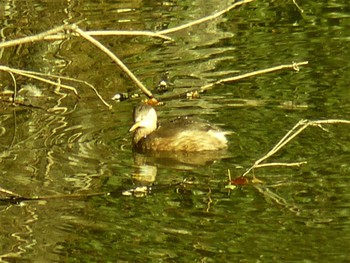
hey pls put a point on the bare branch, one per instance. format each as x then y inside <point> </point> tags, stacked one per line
<point>290,135</point>
<point>296,4</point>
<point>294,66</point>
<point>34,38</point>
<point>29,74</point>
<point>280,164</point>
<point>278,199</point>
<point>114,58</point>
<point>45,78</point>
<point>127,33</point>
<point>60,33</point>
<point>204,19</point>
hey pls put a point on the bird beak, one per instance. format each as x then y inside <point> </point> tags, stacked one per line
<point>135,126</point>
<point>139,124</point>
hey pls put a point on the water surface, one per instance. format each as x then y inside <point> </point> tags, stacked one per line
<point>55,143</point>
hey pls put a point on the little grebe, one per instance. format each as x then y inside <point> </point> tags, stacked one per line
<point>181,134</point>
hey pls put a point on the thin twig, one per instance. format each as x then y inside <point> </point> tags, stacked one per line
<point>35,38</point>
<point>14,86</point>
<point>74,80</point>
<point>127,33</point>
<point>296,4</point>
<point>33,75</point>
<point>114,58</point>
<point>57,33</point>
<point>204,19</point>
<point>210,200</point>
<point>278,199</point>
<point>280,164</point>
<point>283,141</point>
<point>95,90</point>
<point>29,74</point>
<point>14,129</point>
<point>294,66</point>
<point>290,135</point>
<point>8,192</point>
<point>330,121</point>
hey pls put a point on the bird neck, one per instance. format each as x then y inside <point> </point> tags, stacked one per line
<point>141,133</point>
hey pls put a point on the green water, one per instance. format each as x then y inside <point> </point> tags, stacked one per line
<point>59,144</point>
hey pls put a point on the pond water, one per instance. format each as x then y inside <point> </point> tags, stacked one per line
<point>103,203</point>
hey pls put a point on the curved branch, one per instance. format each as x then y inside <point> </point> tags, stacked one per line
<point>290,135</point>
<point>294,66</point>
<point>114,58</point>
<point>204,19</point>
